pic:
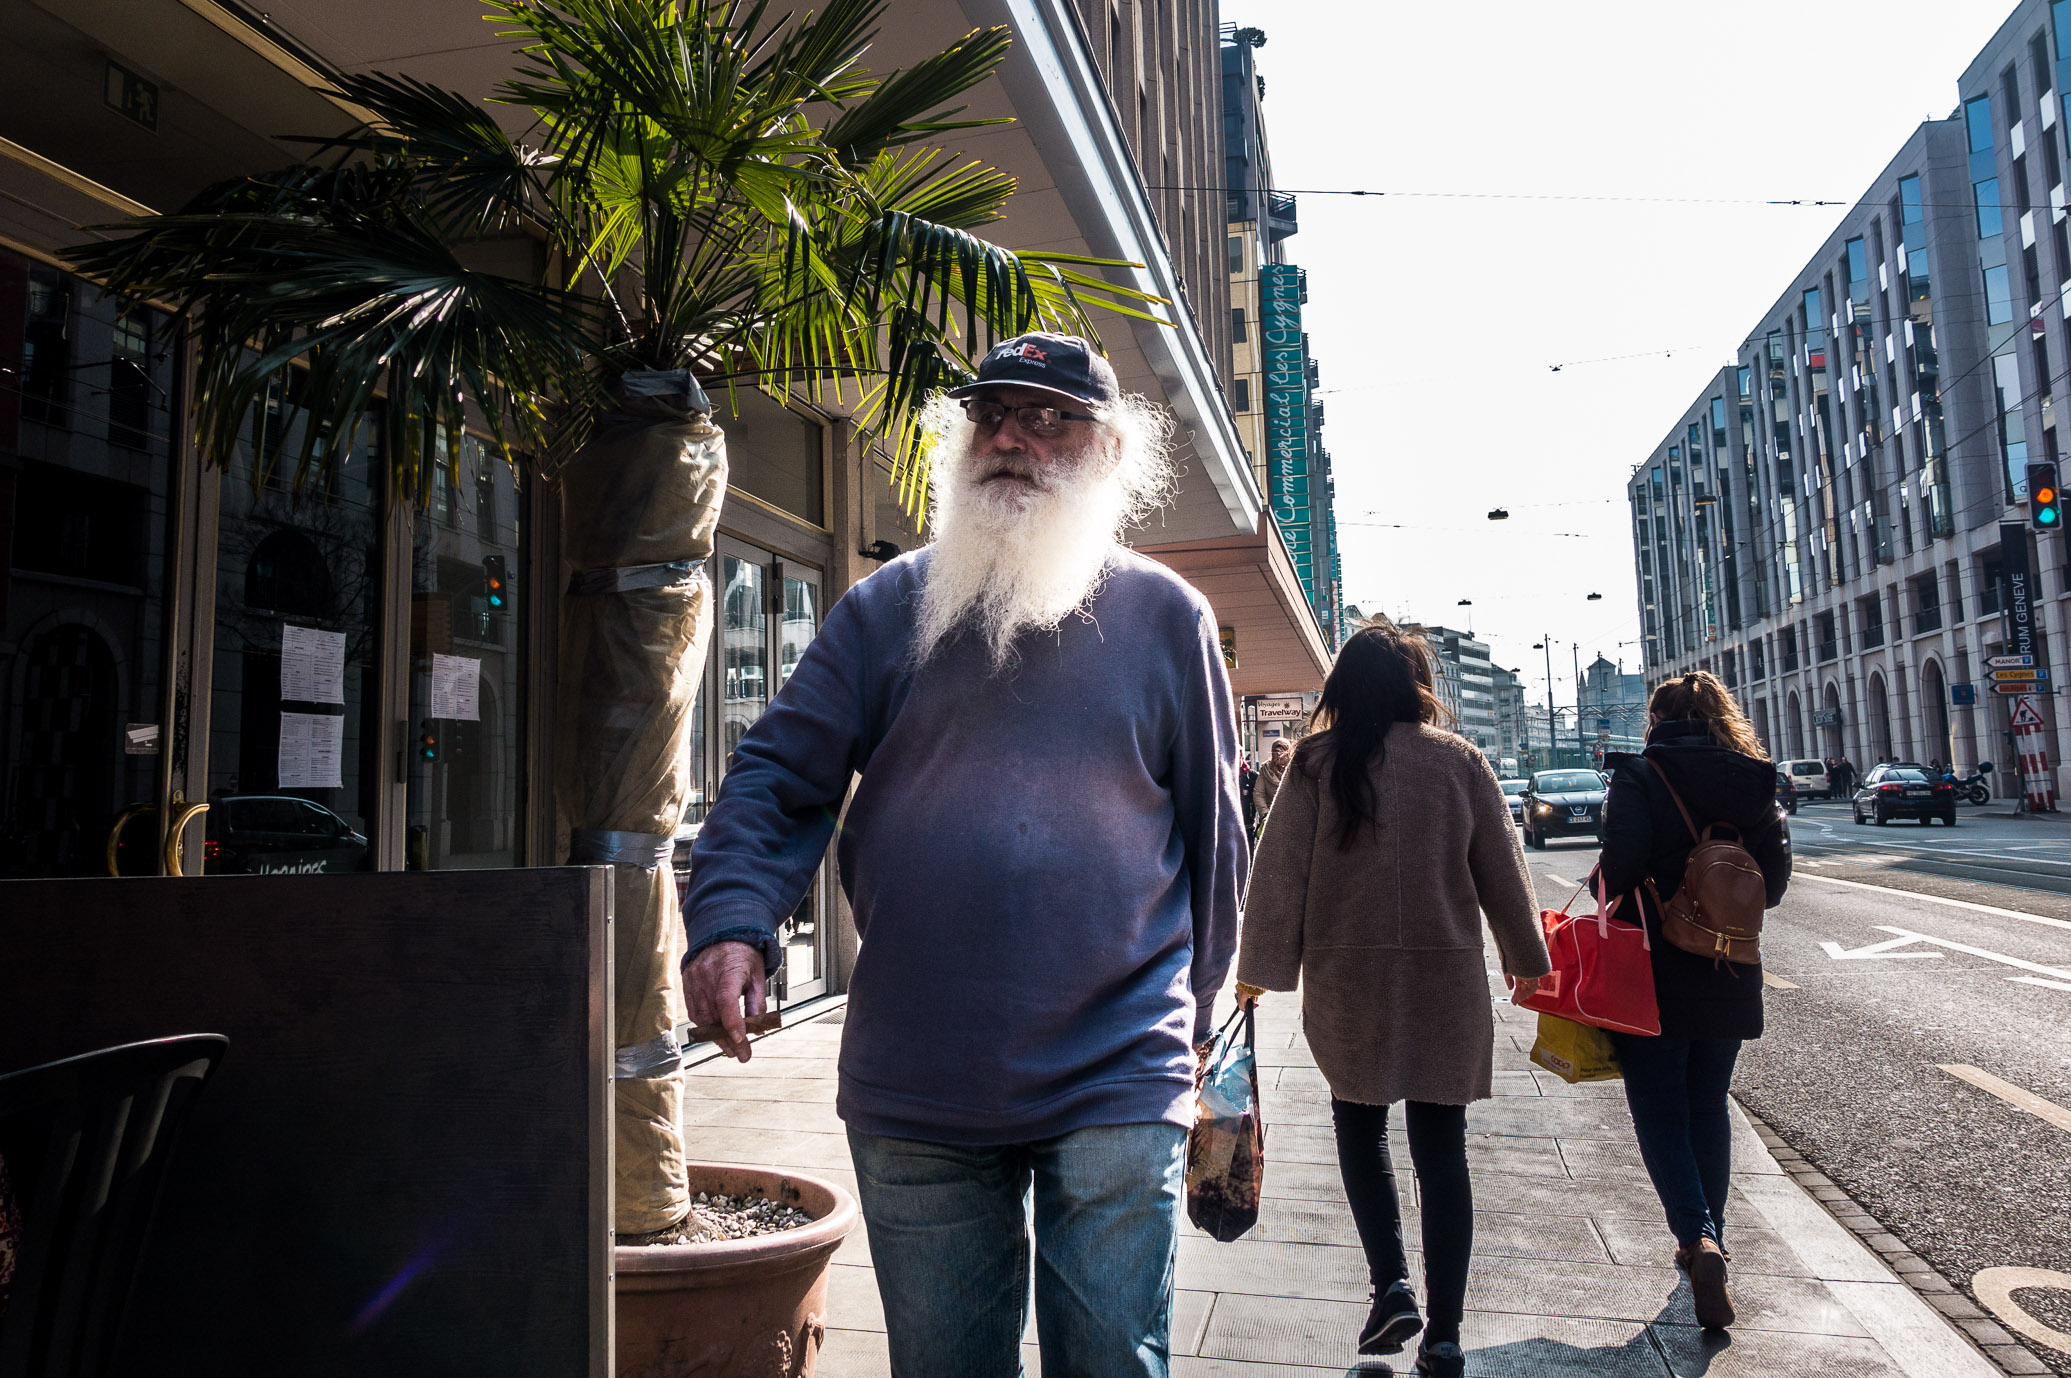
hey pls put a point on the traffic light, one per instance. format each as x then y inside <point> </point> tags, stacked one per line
<point>2045,503</point>
<point>428,742</point>
<point>495,582</point>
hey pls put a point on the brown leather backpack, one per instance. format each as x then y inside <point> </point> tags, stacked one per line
<point>1717,911</point>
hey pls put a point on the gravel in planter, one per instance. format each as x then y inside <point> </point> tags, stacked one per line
<point>716,1217</point>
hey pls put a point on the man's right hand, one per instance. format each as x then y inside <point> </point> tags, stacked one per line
<point>716,982</point>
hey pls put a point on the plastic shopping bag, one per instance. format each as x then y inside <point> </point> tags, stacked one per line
<point>1226,1152</point>
<point>1574,1052</point>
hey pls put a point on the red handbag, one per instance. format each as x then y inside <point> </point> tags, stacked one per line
<point>1603,970</point>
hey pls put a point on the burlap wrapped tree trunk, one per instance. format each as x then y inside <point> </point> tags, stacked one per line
<point>641,506</point>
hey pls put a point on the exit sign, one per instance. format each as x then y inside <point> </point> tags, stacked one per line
<point>132,96</point>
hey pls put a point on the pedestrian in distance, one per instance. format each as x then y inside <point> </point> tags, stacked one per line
<point>1700,749</point>
<point>1389,841</point>
<point>1045,853</point>
<point>1271,775</point>
<point>1247,788</point>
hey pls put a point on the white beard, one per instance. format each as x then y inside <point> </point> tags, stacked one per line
<point>1010,559</point>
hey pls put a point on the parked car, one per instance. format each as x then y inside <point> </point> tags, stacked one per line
<point>1786,792</point>
<point>1513,795</point>
<point>1896,791</point>
<point>1562,803</point>
<point>1810,777</point>
<point>279,834</point>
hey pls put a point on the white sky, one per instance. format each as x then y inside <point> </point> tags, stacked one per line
<point>1435,321</point>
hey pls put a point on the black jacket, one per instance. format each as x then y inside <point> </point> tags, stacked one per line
<point>1645,837</point>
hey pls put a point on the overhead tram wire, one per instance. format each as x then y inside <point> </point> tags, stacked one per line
<point>1581,197</point>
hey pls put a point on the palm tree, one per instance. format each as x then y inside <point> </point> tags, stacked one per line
<point>720,196</point>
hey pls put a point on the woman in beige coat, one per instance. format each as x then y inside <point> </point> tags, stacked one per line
<point>1389,841</point>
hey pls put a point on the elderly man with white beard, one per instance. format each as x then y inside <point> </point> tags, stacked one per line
<point>1045,853</point>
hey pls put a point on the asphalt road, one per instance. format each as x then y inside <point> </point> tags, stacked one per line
<point>1851,1071</point>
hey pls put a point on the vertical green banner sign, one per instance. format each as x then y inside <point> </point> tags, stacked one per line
<point>1287,414</point>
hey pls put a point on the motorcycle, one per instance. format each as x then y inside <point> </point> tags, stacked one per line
<point>1972,788</point>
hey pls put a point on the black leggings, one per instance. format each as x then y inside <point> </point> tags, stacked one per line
<point>1438,1148</point>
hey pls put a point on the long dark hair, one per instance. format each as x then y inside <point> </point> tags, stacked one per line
<point>1382,677</point>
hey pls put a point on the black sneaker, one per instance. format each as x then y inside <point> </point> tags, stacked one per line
<point>1392,1321</point>
<point>1442,1360</point>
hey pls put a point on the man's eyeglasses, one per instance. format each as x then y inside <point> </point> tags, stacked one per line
<point>1037,421</point>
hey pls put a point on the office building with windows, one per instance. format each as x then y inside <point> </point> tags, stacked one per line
<point>1467,684</point>
<point>1833,524</point>
<point>1274,377</point>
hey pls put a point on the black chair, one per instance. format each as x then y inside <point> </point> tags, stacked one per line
<point>95,1132</point>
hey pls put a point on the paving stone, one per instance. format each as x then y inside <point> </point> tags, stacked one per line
<point>1264,1267</point>
<point>2017,1360</point>
<point>1553,1087</point>
<point>1545,1117</point>
<point>1500,1346</point>
<point>1302,1181</point>
<point>1540,1195</point>
<point>818,1089</point>
<point>1295,1220</point>
<point>1930,1284</point>
<point>1956,1307</point>
<point>723,1144</point>
<point>1297,1079</point>
<point>1189,1318</point>
<point>1986,1332</point>
<point>1602,1157</point>
<point>1183,1367</point>
<point>852,1299</point>
<point>1744,1353</point>
<point>1910,1263</point>
<point>1648,1243</point>
<point>1279,1331</point>
<point>1885,1243</point>
<point>854,1354</point>
<point>816,1117</point>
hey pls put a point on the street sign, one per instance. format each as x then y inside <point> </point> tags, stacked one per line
<point>2008,662</point>
<point>2004,676</point>
<point>1963,694</point>
<point>2024,715</point>
<point>2020,687</point>
<point>1281,710</point>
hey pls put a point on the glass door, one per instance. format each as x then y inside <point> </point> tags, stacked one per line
<point>768,611</point>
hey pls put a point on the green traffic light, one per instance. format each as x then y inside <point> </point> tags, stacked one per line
<point>2047,516</point>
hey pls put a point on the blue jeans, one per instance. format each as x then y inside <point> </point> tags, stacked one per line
<point>1676,1088</point>
<point>949,1239</point>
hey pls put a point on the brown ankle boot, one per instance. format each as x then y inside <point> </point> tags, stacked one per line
<point>1707,1268</point>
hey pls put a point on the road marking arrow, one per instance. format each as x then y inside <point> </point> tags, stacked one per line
<point>2040,970</point>
<point>1880,950</point>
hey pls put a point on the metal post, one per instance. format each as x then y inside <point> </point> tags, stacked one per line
<point>1552,748</point>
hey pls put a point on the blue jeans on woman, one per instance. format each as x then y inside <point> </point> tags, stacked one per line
<point>949,1239</point>
<point>1676,1088</point>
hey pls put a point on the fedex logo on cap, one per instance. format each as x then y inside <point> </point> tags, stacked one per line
<point>1026,349</point>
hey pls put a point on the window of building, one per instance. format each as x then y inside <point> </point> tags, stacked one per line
<point>47,348</point>
<point>1991,574</point>
<point>1235,249</point>
<point>129,381</point>
<point>1758,667</point>
<point>1239,333</point>
<point>2013,442</point>
<point>1789,641</point>
<point>1977,119</point>
<point>1744,377</point>
<point>1869,621</point>
<point>1927,603</point>
<point>1986,196</point>
<point>1823,635</point>
<point>1240,398</point>
<point>1998,294</point>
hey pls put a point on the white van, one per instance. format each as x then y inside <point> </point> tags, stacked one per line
<point>1810,777</point>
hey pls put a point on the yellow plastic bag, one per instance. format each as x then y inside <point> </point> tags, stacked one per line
<point>1574,1052</point>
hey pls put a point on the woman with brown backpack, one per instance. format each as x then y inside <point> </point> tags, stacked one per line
<point>1694,841</point>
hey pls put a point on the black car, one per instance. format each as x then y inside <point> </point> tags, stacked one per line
<point>279,834</point>
<point>1562,803</point>
<point>1904,791</point>
<point>1786,792</point>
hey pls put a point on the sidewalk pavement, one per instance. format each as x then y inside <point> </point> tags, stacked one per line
<point>1571,1275</point>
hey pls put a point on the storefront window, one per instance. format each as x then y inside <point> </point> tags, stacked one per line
<point>774,454</point>
<point>466,650</point>
<point>85,487</point>
<point>294,779</point>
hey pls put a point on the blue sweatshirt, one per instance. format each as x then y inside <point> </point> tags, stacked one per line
<point>1045,865</point>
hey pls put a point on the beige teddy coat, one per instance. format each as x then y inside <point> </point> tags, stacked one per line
<point>1386,938</point>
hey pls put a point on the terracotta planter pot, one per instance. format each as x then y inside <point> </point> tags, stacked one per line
<point>738,1308</point>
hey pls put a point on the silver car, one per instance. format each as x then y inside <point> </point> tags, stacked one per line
<point>1513,795</point>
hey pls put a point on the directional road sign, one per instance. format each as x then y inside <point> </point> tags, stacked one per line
<point>2024,715</point>
<point>2004,676</point>
<point>2021,687</point>
<point>2008,662</point>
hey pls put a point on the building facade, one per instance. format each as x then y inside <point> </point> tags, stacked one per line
<point>1835,524</point>
<point>1610,708</point>
<point>375,677</point>
<point>1275,377</point>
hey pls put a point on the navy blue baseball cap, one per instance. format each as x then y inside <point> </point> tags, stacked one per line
<point>1060,364</point>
